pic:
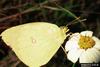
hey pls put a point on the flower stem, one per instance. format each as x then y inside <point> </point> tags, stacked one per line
<point>73,65</point>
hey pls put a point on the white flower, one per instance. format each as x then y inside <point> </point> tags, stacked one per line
<point>83,46</point>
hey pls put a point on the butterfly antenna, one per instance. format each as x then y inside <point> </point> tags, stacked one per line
<point>75,21</point>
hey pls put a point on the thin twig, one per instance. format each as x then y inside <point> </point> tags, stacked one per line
<point>18,14</point>
<point>36,7</point>
<point>14,7</point>
<point>51,8</point>
<point>71,14</point>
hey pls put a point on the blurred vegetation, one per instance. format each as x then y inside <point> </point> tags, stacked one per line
<point>79,15</point>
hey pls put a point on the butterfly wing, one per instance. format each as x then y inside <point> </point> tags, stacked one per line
<point>34,43</point>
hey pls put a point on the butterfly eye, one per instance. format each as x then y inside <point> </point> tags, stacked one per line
<point>64,29</point>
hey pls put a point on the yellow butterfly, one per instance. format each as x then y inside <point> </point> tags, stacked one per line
<point>35,43</point>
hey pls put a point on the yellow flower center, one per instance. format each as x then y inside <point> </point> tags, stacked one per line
<point>86,42</point>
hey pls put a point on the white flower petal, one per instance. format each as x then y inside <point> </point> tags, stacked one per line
<point>68,45</point>
<point>87,33</point>
<point>96,52</point>
<point>74,54</point>
<point>90,56</point>
<point>85,58</point>
<point>76,35</point>
<point>72,43</point>
<point>97,42</point>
